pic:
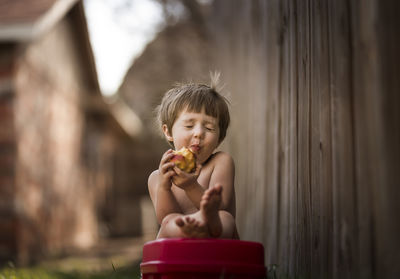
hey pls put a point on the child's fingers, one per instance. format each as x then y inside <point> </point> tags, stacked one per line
<point>167,155</point>
<point>198,169</point>
<point>166,167</point>
<point>178,171</point>
<point>168,151</point>
<point>166,158</point>
<point>170,173</point>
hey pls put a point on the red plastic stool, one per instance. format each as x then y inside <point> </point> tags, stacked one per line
<point>202,258</point>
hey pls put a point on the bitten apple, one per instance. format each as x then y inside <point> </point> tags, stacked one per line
<point>184,159</point>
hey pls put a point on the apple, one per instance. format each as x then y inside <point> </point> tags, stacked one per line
<point>184,159</point>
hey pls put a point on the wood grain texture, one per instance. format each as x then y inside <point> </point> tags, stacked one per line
<point>315,108</point>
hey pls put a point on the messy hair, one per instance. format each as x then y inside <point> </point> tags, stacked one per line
<point>195,97</point>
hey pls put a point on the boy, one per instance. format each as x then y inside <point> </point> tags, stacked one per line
<point>200,204</point>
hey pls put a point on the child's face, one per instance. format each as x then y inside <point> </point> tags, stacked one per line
<point>196,131</point>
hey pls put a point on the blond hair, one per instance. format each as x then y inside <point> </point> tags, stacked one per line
<point>194,98</point>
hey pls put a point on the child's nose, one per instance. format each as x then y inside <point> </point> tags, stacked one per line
<point>198,131</point>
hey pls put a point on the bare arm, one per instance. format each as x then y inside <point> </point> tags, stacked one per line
<point>160,184</point>
<point>188,182</point>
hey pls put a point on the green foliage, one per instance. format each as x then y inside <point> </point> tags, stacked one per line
<point>11,272</point>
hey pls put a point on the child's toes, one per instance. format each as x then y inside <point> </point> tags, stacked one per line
<point>205,195</point>
<point>179,222</point>
<point>205,198</point>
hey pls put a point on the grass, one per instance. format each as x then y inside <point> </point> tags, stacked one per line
<point>11,272</point>
<point>124,272</point>
<point>117,258</point>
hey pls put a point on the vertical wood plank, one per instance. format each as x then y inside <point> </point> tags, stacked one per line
<point>388,229</point>
<point>316,66</point>
<point>321,163</point>
<point>283,171</point>
<point>293,133</point>
<point>304,200</point>
<point>363,84</point>
<point>272,76</point>
<point>376,91</point>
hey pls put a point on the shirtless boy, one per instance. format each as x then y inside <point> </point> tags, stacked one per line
<point>200,204</point>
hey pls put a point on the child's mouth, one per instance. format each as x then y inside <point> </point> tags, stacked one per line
<point>195,148</point>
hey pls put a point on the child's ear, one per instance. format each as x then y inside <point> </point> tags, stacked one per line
<point>167,134</point>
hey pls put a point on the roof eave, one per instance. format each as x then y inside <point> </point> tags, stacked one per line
<point>22,32</point>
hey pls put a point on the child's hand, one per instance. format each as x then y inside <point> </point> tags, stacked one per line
<point>185,180</point>
<point>166,170</point>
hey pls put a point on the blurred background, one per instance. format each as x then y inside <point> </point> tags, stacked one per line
<point>315,132</point>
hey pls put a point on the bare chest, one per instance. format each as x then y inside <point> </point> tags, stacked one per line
<point>184,202</point>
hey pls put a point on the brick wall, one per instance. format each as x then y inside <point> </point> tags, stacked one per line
<point>47,202</point>
<point>65,175</point>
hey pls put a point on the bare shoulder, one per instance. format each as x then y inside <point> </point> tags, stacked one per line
<point>153,178</point>
<point>222,162</point>
<point>152,184</point>
<point>223,159</point>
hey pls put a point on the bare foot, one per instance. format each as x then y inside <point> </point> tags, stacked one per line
<point>205,222</point>
<point>192,226</point>
<point>209,207</point>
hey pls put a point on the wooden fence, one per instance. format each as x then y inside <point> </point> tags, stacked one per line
<point>315,92</point>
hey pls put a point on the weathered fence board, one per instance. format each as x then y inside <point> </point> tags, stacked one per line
<point>315,132</point>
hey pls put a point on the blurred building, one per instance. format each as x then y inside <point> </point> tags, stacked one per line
<point>62,152</point>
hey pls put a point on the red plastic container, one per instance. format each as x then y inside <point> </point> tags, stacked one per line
<point>202,258</point>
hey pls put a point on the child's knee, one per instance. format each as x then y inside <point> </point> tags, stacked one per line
<point>228,224</point>
<point>223,214</point>
<point>227,219</point>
